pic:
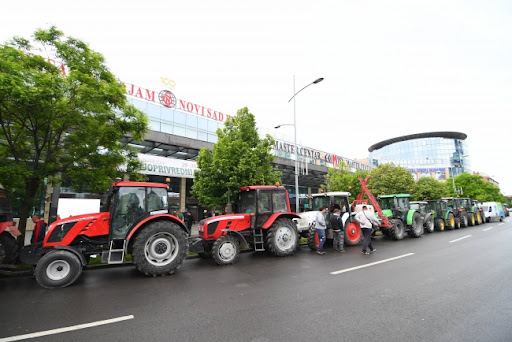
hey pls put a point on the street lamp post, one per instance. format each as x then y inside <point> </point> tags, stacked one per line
<point>318,80</point>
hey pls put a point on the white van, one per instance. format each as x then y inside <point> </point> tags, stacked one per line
<point>493,211</point>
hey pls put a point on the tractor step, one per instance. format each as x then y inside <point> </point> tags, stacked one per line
<point>259,244</point>
<point>116,251</point>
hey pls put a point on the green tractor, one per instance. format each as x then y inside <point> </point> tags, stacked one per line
<point>475,217</point>
<point>427,214</point>
<point>463,217</point>
<point>443,217</point>
<point>402,217</point>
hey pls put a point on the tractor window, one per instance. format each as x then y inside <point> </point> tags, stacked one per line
<point>387,203</point>
<point>320,202</point>
<point>157,199</point>
<point>403,203</point>
<point>129,208</point>
<point>451,205</point>
<point>264,202</point>
<point>247,202</point>
<point>343,203</point>
<point>279,202</point>
<point>415,206</point>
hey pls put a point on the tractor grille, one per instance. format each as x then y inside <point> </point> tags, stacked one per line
<point>212,227</point>
<point>60,231</point>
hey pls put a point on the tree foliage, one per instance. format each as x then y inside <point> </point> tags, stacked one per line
<point>61,122</point>
<point>388,179</point>
<point>474,186</point>
<point>239,158</point>
<point>428,188</point>
<point>340,178</point>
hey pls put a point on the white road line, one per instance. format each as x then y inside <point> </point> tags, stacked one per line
<point>371,264</point>
<point>464,237</point>
<point>499,224</point>
<point>486,229</point>
<point>66,329</point>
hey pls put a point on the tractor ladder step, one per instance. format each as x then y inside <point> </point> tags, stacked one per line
<point>259,244</point>
<point>116,251</point>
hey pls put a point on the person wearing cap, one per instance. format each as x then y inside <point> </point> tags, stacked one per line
<point>320,230</point>
<point>337,231</point>
<point>365,219</point>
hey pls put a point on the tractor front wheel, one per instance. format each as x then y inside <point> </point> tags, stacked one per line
<point>464,220</point>
<point>471,219</point>
<point>398,230</point>
<point>10,247</point>
<point>58,268</point>
<point>353,233</point>
<point>226,250</point>
<point>429,225</point>
<point>416,229</point>
<point>450,222</point>
<point>440,225</point>
<point>282,238</point>
<point>160,248</point>
<point>312,238</point>
<point>478,218</point>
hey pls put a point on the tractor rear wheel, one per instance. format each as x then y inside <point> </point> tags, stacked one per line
<point>450,222</point>
<point>457,223</point>
<point>463,219</point>
<point>226,250</point>
<point>58,268</point>
<point>353,233</point>
<point>160,248</point>
<point>398,230</point>
<point>471,219</point>
<point>440,225</point>
<point>416,229</point>
<point>312,238</point>
<point>429,225</point>
<point>10,247</point>
<point>282,237</point>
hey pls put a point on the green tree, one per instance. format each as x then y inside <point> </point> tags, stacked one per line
<point>428,188</point>
<point>61,122</point>
<point>476,187</point>
<point>239,158</point>
<point>340,178</point>
<point>388,179</point>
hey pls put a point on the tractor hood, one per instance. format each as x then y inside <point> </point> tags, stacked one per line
<point>62,232</point>
<point>307,218</point>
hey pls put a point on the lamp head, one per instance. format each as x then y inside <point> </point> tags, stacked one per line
<point>318,80</point>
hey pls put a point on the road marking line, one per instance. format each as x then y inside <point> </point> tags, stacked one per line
<point>464,237</point>
<point>371,264</point>
<point>499,224</point>
<point>486,229</point>
<point>66,329</point>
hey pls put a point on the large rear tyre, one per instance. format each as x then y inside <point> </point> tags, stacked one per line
<point>416,229</point>
<point>160,248</point>
<point>282,238</point>
<point>464,221</point>
<point>312,238</point>
<point>478,218</point>
<point>440,225</point>
<point>429,225</point>
<point>10,248</point>
<point>58,268</point>
<point>398,230</point>
<point>450,222</point>
<point>457,223</point>
<point>226,250</point>
<point>353,233</point>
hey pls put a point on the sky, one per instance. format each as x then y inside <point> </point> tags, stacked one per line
<point>390,68</point>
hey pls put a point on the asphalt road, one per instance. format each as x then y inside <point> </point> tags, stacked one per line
<point>448,290</point>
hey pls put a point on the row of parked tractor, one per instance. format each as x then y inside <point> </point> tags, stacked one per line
<point>135,220</point>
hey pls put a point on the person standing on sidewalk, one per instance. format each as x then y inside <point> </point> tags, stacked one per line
<point>39,229</point>
<point>365,219</point>
<point>337,231</point>
<point>320,230</point>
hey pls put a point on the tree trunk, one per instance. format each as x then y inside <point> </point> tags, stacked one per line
<point>26,206</point>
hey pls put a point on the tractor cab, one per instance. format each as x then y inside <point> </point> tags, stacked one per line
<point>395,205</point>
<point>262,202</point>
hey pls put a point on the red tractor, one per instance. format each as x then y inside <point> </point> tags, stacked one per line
<point>134,220</point>
<point>263,219</point>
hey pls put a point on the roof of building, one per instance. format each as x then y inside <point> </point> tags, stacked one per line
<point>448,135</point>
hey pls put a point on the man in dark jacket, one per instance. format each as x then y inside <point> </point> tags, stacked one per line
<point>39,229</point>
<point>337,231</point>
<point>188,219</point>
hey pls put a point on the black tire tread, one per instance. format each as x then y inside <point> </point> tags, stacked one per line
<point>272,246</point>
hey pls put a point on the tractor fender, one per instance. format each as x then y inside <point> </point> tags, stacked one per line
<point>410,213</point>
<point>427,216</point>
<point>163,217</point>
<point>346,217</point>
<point>238,236</point>
<point>80,255</point>
<point>270,221</point>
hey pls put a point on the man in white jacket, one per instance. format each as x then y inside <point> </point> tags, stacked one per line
<point>365,219</point>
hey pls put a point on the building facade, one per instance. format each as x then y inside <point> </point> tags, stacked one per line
<point>438,155</point>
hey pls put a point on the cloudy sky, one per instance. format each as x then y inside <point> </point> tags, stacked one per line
<point>391,68</point>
